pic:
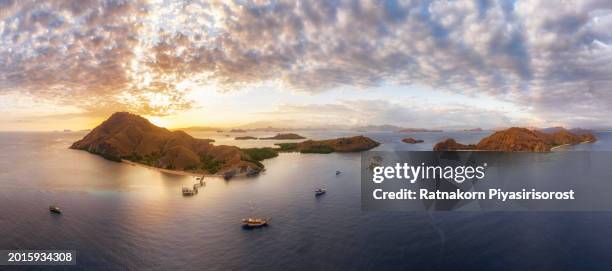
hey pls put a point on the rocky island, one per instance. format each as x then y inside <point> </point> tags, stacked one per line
<point>418,130</point>
<point>284,136</point>
<point>343,144</point>
<point>130,137</point>
<point>520,139</point>
<point>411,140</point>
<point>452,145</point>
<point>244,138</point>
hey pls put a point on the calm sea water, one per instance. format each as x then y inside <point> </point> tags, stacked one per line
<point>122,217</point>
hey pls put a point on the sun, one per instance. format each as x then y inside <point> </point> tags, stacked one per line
<point>157,121</point>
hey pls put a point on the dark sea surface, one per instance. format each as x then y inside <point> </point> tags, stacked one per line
<point>123,217</point>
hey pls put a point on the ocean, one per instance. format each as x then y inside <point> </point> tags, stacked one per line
<point>124,217</point>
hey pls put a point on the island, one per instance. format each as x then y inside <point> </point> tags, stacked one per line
<point>343,144</point>
<point>267,129</point>
<point>237,131</point>
<point>417,130</point>
<point>377,128</point>
<point>521,139</point>
<point>198,129</point>
<point>283,136</point>
<point>129,138</point>
<point>473,130</point>
<point>411,140</point>
<point>244,138</point>
<point>452,145</point>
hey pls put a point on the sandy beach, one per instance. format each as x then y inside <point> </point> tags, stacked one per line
<point>583,142</point>
<point>169,171</point>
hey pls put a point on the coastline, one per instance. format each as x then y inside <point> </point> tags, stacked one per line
<point>169,171</point>
<point>583,142</point>
<point>563,145</point>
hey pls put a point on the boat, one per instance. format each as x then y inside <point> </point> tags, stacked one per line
<point>320,191</point>
<point>338,172</point>
<point>55,209</point>
<point>228,175</point>
<point>255,222</point>
<point>189,192</point>
<point>252,172</point>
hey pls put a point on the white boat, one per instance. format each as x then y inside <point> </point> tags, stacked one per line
<point>320,191</point>
<point>55,209</point>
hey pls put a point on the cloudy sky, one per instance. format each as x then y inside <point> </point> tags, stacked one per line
<point>476,63</point>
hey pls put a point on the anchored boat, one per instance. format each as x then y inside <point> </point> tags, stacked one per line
<point>320,191</point>
<point>189,192</point>
<point>229,174</point>
<point>55,209</point>
<point>255,222</point>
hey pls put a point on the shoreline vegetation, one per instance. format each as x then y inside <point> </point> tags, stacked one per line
<point>129,138</point>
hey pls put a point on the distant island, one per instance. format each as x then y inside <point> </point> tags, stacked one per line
<point>521,139</point>
<point>411,140</point>
<point>377,128</point>
<point>283,136</point>
<point>244,138</point>
<point>391,128</point>
<point>126,137</point>
<point>473,130</point>
<point>343,144</point>
<point>199,129</point>
<point>417,130</point>
<point>266,129</point>
<point>237,131</point>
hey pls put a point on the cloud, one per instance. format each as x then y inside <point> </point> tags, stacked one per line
<point>552,56</point>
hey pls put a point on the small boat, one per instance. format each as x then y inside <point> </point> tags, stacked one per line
<point>320,191</point>
<point>338,172</point>
<point>255,222</point>
<point>252,172</point>
<point>228,175</point>
<point>189,192</point>
<point>55,209</point>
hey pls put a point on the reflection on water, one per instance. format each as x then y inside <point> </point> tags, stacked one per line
<point>124,217</point>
